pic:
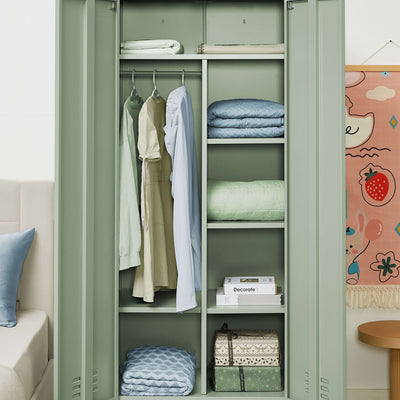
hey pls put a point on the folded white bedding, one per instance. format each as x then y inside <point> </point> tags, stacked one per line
<point>205,48</point>
<point>157,46</point>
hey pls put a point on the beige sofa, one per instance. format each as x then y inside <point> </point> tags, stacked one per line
<point>26,350</point>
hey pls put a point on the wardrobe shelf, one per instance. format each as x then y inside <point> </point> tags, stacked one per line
<point>196,393</point>
<point>246,225</point>
<point>212,308</point>
<point>165,302</point>
<point>259,395</point>
<point>177,57</point>
<point>247,141</point>
<point>219,395</point>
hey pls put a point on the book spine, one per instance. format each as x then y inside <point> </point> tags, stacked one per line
<point>249,289</point>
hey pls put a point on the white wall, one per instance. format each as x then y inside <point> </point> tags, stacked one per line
<point>369,24</point>
<point>27,82</point>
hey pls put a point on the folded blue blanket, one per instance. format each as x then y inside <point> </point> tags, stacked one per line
<point>270,131</point>
<point>158,371</point>
<point>245,122</point>
<point>244,108</point>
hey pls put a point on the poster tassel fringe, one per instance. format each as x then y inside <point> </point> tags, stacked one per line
<point>371,296</point>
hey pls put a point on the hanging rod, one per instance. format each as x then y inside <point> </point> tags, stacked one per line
<point>160,72</point>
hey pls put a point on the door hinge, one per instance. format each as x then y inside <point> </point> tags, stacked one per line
<point>113,5</point>
<point>290,4</point>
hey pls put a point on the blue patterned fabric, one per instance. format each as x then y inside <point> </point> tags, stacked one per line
<point>244,108</point>
<point>158,371</point>
<point>245,122</point>
<point>269,131</point>
<point>245,118</point>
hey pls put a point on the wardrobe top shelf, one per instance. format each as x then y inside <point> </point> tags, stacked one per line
<point>202,57</point>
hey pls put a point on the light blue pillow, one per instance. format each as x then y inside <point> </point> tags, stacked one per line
<point>13,250</point>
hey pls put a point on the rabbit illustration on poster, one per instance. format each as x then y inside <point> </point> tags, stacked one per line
<point>357,241</point>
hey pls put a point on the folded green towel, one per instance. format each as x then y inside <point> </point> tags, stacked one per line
<point>249,201</point>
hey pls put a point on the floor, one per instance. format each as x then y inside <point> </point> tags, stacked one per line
<point>362,394</point>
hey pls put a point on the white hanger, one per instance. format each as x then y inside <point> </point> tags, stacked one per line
<point>183,77</point>
<point>155,92</point>
<point>134,96</point>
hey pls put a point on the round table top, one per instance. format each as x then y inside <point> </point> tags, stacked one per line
<point>381,333</point>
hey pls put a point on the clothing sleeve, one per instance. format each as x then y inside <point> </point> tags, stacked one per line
<point>148,145</point>
<point>129,219</point>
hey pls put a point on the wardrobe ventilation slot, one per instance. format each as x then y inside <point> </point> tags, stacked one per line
<point>76,388</point>
<point>306,382</point>
<point>324,389</point>
<point>95,381</point>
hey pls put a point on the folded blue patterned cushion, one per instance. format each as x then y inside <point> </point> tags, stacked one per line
<point>158,371</point>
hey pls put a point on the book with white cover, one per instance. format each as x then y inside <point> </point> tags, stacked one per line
<point>248,299</point>
<point>250,285</point>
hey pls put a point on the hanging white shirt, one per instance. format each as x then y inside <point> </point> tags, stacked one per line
<point>129,219</point>
<point>180,144</point>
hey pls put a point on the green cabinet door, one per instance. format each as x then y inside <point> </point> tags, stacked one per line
<point>331,200</point>
<point>302,201</point>
<point>85,185</point>
<point>69,206</point>
<point>316,199</point>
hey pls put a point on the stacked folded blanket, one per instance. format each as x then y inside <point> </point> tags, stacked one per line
<point>277,48</point>
<point>158,371</point>
<point>248,201</point>
<point>159,46</point>
<point>245,118</point>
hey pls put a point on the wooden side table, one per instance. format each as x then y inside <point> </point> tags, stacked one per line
<point>385,334</point>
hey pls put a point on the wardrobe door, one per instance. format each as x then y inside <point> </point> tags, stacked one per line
<point>331,199</point>
<point>316,199</point>
<point>302,201</point>
<point>69,208</point>
<point>105,139</point>
<point>85,184</point>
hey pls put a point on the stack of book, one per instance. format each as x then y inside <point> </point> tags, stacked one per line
<point>249,290</point>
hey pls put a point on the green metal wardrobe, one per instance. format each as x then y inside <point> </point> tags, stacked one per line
<point>97,320</point>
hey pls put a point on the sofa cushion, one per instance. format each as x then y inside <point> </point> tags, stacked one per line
<point>23,354</point>
<point>13,250</point>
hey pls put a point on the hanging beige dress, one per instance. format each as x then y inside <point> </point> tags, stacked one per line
<point>158,268</point>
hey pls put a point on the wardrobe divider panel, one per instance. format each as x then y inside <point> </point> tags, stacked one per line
<point>69,214</point>
<point>302,235</point>
<point>331,198</point>
<point>204,242</point>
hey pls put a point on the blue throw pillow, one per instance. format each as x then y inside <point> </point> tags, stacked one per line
<point>13,250</point>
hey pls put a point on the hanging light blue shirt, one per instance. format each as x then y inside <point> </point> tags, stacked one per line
<point>180,144</point>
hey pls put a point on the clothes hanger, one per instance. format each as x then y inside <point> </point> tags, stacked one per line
<point>134,97</point>
<point>183,77</point>
<point>155,92</point>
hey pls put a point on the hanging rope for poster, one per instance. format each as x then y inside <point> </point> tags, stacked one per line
<point>371,67</point>
<point>380,49</point>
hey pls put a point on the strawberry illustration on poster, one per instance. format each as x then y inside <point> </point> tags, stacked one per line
<point>372,136</point>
